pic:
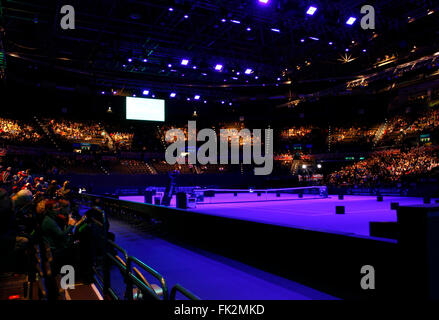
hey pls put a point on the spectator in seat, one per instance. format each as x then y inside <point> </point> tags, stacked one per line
<point>57,230</point>
<point>7,231</point>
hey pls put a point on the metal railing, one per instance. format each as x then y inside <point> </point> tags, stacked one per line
<point>130,268</point>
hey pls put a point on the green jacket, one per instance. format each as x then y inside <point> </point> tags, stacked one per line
<point>56,237</point>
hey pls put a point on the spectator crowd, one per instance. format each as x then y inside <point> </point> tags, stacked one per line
<point>34,210</point>
<point>387,166</point>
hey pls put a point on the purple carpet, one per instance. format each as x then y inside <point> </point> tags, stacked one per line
<point>306,213</point>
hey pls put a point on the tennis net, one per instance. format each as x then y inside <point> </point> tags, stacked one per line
<point>207,196</point>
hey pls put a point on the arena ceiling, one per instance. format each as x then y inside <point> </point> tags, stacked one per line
<point>142,44</point>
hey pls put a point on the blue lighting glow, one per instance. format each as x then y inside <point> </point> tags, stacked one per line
<point>351,21</point>
<point>145,92</point>
<point>248,71</point>
<point>311,10</point>
<point>173,94</point>
<point>185,62</point>
<point>218,67</point>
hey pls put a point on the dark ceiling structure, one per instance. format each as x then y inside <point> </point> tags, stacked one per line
<point>129,47</point>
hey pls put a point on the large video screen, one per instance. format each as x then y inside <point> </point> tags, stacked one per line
<point>145,109</point>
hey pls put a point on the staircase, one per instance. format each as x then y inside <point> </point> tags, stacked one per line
<point>47,133</point>
<point>379,134</point>
<point>151,169</point>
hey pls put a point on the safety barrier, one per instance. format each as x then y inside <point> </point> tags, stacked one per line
<point>137,287</point>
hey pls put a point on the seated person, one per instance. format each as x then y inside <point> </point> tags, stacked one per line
<point>57,230</point>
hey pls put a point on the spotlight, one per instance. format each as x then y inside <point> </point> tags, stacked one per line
<point>171,9</point>
<point>223,20</point>
<point>275,30</point>
<point>145,92</point>
<point>351,21</point>
<point>235,21</point>
<point>304,166</point>
<point>197,97</point>
<point>169,65</point>
<point>194,67</point>
<point>311,10</point>
<point>219,67</point>
<point>364,50</point>
<point>186,16</point>
<point>319,166</point>
<point>249,29</point>
<point>184,62</point>
<point>103,92</point>
<point>263,1</point>
<point>172,95</point>
<point>130,60</point>
<point>145,60</point>
<point>302,40</point>
<point>330,43</point>
<point>314,38</point>
<point>248,71</point>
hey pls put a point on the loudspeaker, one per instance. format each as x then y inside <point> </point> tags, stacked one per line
<point>181,200</point>
<point>235,194</point>
<point>209,194</point>
<point>427,199</point>
<point>278,194</point>
<point>394,205</point>
<point>340,197</point>
<point>148,197</point>
<point>300,195</point>
<point>387,230</point>
<point>259,194</point>
<point>157,200</point>
<point>340,210</point>
<point>380,198</point>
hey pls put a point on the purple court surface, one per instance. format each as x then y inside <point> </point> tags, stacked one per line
<point>307,213</point>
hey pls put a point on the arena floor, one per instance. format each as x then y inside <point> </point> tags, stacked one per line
<point>307,213</point>
<point>210,276</point>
